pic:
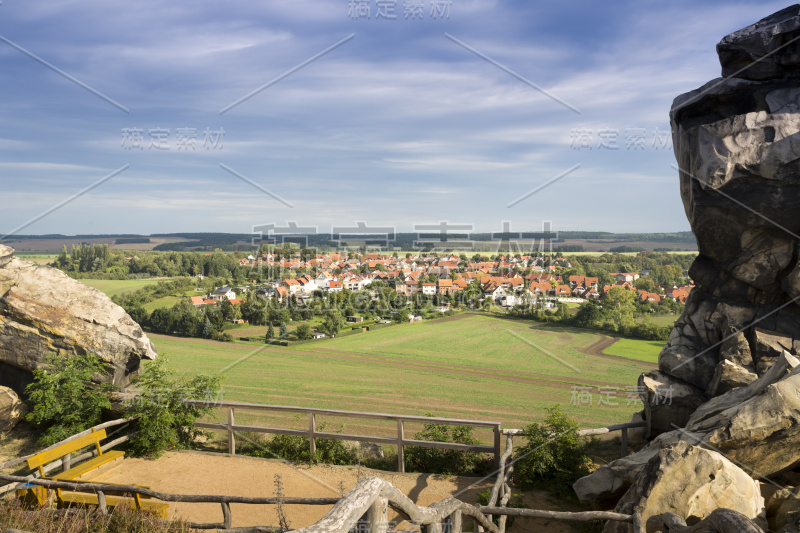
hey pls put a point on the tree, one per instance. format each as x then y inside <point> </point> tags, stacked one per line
<point>283,329</point>
<point>63,399</point>
<point>619,305</point>
<point>588,314</point>
<point>227,310</point>
<point>208,329</point>
<point>303,332</point>
<point>270,332</point>
<point>164,419</point>
<point>333,322</point>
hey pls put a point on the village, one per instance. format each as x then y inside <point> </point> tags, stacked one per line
<point>507,281</point>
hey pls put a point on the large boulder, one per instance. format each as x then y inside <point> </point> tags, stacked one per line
<point>10,409</point>
<point>690,482</point>
<point>45,312</point>
<point>757,427</point>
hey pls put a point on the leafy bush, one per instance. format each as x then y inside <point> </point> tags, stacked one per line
<point>63,399</point>
<point>297,449</point>
<point>450,462</point>
<point>165,421</point>
<point>554,456</point>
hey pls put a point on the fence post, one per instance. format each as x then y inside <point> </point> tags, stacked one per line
<point>497,452</point>
<point>454,522</point>
<point>101,502</point>
<point>401,461</point>
<point>231,436</point>
<point>624,442</point>
<point>377,521</point>
<point>226,515</point>
<point>66,462</point>
<point>312,428</point>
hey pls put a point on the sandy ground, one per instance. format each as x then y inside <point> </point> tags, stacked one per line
<point>211,473</point>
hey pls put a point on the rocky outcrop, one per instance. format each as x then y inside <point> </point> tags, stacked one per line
<point>737,145</point>
<point>724,405</point>
<point>45,312</point>
<point>690,482</point>
<point>757,427</point>
<point>10,409</point>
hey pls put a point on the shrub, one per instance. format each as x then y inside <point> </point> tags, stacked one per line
<point>296,448</point>
<point>451,462</point>
<point>165,421</point>
<point>63,399</point>
<point>554,456</point>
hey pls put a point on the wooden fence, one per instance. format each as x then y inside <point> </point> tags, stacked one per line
<point>365,506</point>
<point>312,434</point>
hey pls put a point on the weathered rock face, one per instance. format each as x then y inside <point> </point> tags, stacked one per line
<point>690,482</point>
<point>10,409</point>
<point>44,312</point>
<point>737,145</point>
<point>757,426</point>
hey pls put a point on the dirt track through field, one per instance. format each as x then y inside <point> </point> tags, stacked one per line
<point>564,381</point>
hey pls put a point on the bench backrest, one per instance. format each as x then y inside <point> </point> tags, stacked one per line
<point>47,456</point>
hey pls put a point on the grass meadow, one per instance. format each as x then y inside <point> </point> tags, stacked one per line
<point>468,366</point>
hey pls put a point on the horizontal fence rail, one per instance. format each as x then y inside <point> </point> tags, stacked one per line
<point>312,434</point>
<point>366,504</point>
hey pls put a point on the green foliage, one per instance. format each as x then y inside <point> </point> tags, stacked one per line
<point>515,502</point>
<point>554,456</point>
<point>63,399</point>
<point>450,462</point>
<point>165,421</point>
<point>297,449</point>
<point>303,332</point>
<point>333,322</point>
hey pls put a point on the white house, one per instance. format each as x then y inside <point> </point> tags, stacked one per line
<point>222,293</point>
<point>322,281</point>
<point>429,288</point>
<point>334,286</point>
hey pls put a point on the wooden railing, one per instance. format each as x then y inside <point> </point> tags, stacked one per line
<point>368,501</point>
<point>312,434</point>
<point>365,507</point>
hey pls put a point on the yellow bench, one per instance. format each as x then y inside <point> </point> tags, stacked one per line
<point>38,494</point>
<point>39,460</point>
<point>67,499</point>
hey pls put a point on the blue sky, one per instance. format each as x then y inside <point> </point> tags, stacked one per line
<point>399,125</point>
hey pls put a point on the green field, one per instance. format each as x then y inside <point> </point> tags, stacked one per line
<point>113,287</point>
<point>476,367</point>
<point>166,301</point>
<point>638,350</point>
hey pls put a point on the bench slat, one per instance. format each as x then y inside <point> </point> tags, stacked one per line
<point>69,499</point>
<point>48,456</point>
<point>86,466</point>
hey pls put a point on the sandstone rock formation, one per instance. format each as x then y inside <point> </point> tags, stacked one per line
<point>44,312</point>
<point>10,409</point>
<point>758,427</point>
<point>724,405</point>
<point>690,482</point>
<point>737,144</point>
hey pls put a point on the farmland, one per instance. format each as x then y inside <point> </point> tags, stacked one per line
<point>478,367</point>
<point>113,287</point>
